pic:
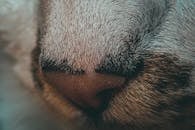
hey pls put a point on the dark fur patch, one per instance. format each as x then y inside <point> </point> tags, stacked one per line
<point>35,68</point>
<point>171,73</point>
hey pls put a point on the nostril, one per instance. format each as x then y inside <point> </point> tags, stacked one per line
<point>91,92</point>
<point>105,96</point>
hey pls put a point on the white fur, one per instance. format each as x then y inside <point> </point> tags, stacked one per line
<point>81,31</point>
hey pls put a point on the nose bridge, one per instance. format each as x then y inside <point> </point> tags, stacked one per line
<point>87,62</point>
<point>98,82</point>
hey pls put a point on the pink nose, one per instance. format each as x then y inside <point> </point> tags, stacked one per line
<point>87,90</point>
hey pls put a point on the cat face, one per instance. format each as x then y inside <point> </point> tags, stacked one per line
<point>115,62</point>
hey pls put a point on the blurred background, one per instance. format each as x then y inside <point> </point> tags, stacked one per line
<point>20,108</point>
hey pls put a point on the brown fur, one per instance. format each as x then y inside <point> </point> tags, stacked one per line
<point>149,42</point>
<point>159,71</point>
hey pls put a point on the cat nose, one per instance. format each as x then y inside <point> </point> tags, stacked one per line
<point>87,90</point>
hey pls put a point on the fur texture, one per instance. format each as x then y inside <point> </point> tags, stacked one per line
<point>150,42</point>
